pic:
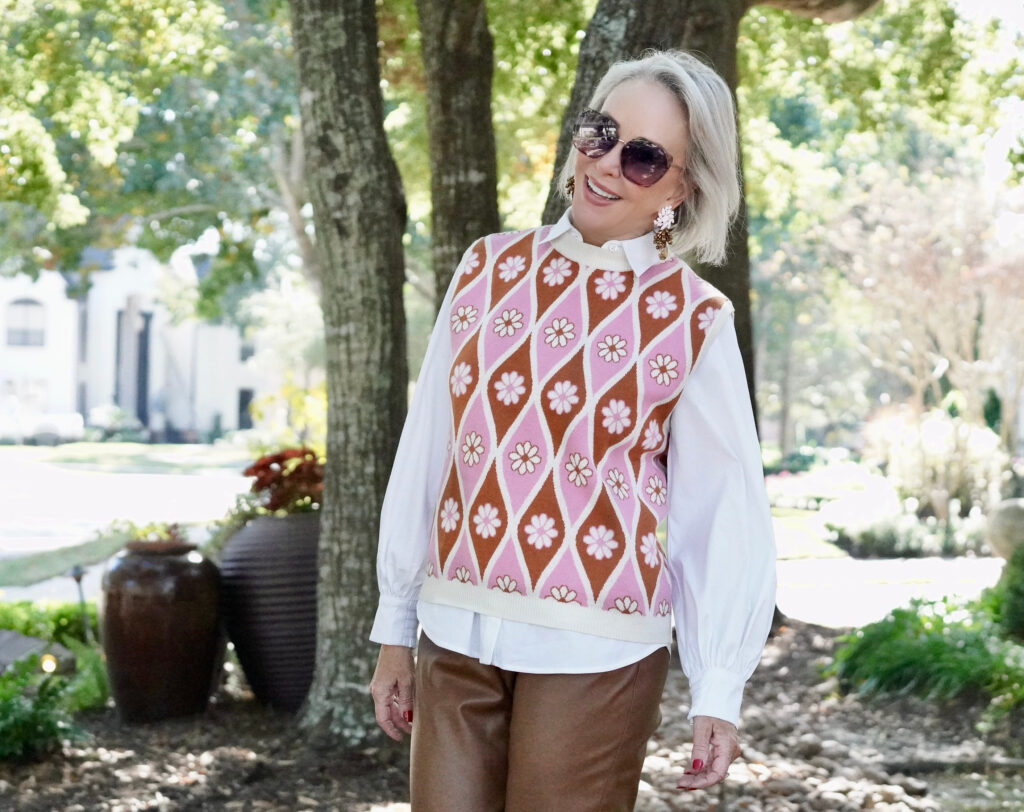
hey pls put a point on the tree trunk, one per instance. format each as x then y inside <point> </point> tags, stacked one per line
<point>359,214</point>
<point>458,60</point>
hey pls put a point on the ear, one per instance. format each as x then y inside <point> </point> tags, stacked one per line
<point>681,193</point>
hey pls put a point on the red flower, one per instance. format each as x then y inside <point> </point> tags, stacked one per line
<point>290,480</point>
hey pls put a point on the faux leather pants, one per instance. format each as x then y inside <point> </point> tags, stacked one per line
<point>485,739</point>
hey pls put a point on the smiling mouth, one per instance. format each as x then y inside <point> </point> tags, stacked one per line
<point>600,193</point>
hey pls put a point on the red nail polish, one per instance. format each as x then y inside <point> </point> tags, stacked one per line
<point>407,715</point>
<point>698,764</point>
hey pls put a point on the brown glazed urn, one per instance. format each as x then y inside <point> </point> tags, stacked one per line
<point>268,601</point>
<point>161,631</point>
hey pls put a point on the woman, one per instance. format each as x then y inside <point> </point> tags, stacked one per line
<point>549,436</point>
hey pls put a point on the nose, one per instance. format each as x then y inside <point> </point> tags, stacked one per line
<point>611,162</point>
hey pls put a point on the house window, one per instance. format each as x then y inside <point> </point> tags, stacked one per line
<point>26,323</point>
<point>245,398</point>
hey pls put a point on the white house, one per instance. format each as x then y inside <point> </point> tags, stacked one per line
<point>118,346</point>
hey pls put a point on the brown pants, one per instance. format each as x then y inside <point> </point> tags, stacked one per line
<point>485,739</point>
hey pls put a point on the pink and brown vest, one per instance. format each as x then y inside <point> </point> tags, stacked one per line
<point>562,382</point>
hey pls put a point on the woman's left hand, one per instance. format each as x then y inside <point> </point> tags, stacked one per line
<point>716,745</point>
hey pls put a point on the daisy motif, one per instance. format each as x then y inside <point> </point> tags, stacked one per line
<point>612,348</point>
<point>462,574</point>
<point>511,268</point>
<point>540,532</point>
<point>557,271</point>
<point>617,482</point>
<point>461,379</point>
<point>487,521</point>
<point>656,490</point>
<point>652,436</point>
<point>472,448</point>
<point>649,549</point>
<point>663,608</point>
<point>562,397</point>
<point>626,605</point>
<point>563,594</point>
<point>505,583</point>
<point>472,263</point>
<point>525,458</point>
<point>610,285</point>
<point>706,318</point>
<point>600,542</point>
<point>464,316</point>
<point>559,333</point>
<point>616,416</point>
<point>510,387</point>
<point>663,369</point>
<point>508,322</point>
<point>660,304</point>
<point>449,515</point>
<point>579,469</point>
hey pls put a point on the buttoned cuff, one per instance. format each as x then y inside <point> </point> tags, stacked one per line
<point>395,622</point>
<point>717,692</point>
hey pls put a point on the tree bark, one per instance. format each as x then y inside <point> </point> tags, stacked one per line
<point>458,60</point>
<point>359,215</point>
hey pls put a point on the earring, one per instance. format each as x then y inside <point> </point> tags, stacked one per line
<point>663,230</point>
<point>570,186</point>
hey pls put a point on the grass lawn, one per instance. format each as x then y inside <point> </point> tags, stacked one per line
<point>26,570</point>
<point>799,535</point>
<point>140,458</point>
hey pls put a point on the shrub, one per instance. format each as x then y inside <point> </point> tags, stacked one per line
<point>906,536</point>
<point>88,688</point>
<point>938,650</point>
<point>56,622</point>
<point>33,720</point>
<point>936,457</point>
<point>1011,596</point>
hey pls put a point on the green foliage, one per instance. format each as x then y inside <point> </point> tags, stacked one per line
<point>88,687</point>
<point>55,622</point>
<point>938,650</point>
<point>907,536</point>
<point>1011,592</point>
<point>33,720</point>
<point>72,76</point>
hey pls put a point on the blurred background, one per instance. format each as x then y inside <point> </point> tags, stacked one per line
<point>159,310</point>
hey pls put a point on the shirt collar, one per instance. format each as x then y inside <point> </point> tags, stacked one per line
<point>636,254</point>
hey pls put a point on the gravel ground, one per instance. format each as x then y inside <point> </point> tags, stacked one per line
<point>805,748</point>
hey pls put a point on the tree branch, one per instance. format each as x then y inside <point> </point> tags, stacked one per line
<point>831,11</point>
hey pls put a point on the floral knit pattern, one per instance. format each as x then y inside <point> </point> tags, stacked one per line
<point>562,382</point>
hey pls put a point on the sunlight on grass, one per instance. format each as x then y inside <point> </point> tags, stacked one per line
<point>799,534</point>
<point>31,569</point>
<point>145,458</point>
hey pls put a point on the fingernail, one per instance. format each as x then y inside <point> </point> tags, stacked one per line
<point>698,764</point>
<point>407,715</point>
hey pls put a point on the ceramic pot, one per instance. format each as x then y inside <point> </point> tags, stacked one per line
<point>160,629</point>
<point>268,601</point>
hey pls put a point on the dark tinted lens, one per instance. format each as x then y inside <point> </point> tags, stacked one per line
<point>644,163</point>
<point>594,134</point>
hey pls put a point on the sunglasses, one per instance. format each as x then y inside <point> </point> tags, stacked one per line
<point>643,162</point>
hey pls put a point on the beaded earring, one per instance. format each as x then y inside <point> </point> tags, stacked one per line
<point>570,186</point>
<point>663,230</point>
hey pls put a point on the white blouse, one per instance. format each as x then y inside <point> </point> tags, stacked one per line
<point>720,546</point>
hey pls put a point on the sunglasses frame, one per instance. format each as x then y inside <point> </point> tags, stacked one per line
<point>606,122</point>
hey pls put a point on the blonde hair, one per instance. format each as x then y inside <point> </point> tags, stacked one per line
<point>704,216</point>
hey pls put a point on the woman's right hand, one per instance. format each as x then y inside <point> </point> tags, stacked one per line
<point>393,689</point>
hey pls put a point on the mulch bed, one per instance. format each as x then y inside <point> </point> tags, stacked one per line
<point>804,748</point>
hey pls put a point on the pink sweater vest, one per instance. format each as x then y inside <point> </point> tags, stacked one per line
<point>562,382</point>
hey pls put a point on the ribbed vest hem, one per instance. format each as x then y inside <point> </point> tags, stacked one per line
<point>548,612</point>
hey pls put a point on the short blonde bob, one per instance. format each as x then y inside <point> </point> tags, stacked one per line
<point>704,216</point>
